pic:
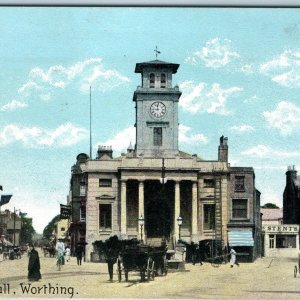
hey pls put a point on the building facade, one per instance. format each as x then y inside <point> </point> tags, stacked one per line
<point>281,240</point>
<point>144,192</point>
<point>10,226</point>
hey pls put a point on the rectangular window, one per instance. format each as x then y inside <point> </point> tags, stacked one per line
<point>82,190</point>
<point>285,241</point>
<point>209,183</point>
<point>105,216</point>
<point>82,213</point>
<point>271,241</point>
<point>105,182</point>
<point>209,216</point>
<point>239,208</point>
<point>63,229</point>
<point>240,183</point>
<point>157,136</point>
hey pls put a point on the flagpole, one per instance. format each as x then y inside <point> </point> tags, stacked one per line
<point>90,122</point>
<point>14,225</point>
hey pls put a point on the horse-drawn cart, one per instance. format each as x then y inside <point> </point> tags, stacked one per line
<point>136,258</point>
<point>146,260</point>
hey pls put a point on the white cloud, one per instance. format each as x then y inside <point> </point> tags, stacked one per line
<point>285,117</point>
<point>262,151</point>
<point>252,99</point>
<point>13,105</point>
<point>201,98</point>
<point>121,140</point>
<point>215,54</point>
<point>83,74</point>
<point>284,69</point>
<point>185,138</point>
<point>247,69</point>
<point>64,135</point>
<point>242,128</point>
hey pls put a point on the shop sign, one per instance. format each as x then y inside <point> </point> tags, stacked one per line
<point>281,228</point>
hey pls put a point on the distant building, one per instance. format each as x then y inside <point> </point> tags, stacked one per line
<point>61,229</point>
<point>10,226</point>
<point>279,239</point>
<point>272,216</point>
<point>291,197</point>
<point>147,191</point>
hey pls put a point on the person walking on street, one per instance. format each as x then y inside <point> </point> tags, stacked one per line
<point>60,251</point>
<point>78,253</point>
<point>34,273</point>
<point>233,258</point>
<point>68,254</point>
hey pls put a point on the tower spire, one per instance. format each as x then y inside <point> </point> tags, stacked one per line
<point>156,52</point>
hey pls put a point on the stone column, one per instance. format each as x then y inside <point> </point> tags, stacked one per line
<point>194,211</point>
<point>141,208</point>
<point>123,210</point>
<point>176,209</point>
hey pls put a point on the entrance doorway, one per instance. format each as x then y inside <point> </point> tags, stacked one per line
<point>159,209</point>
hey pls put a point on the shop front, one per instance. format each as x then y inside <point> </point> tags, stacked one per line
<point>281,240</point>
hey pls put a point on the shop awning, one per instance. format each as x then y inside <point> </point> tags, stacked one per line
<point>240,238</point>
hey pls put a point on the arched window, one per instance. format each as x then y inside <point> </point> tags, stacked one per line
<point>152,80</point>
<point>163,80</point>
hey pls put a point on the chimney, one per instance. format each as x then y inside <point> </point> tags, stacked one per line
<point>223,149</point>
<point>104,152</point>
<point>291,174</point>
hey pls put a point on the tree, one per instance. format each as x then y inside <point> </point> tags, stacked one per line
<point>270,205</point>
<point>27,230</point>
<point>48,230</point>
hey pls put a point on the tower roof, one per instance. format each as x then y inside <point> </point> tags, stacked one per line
<point>156,63</point>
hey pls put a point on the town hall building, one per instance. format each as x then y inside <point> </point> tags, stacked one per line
<point>156,192</point>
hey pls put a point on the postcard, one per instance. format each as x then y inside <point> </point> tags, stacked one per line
<point>149,152</point>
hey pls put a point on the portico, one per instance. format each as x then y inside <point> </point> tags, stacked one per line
<point>160,204</point>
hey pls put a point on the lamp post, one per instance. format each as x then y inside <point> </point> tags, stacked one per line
<point>179,222</point>
<point>142,221</point>
<point>14,234</point>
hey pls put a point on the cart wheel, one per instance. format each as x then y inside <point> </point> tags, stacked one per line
<point>153,271</point>
<point>295,271</point>
<point>119,270</point>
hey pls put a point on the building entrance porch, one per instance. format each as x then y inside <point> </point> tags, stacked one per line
<point>159,205</point>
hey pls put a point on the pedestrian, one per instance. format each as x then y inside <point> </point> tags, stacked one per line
<point>60,252</point>
<point>68,253</point>
<point>233,258</point>
<point>34,265</point>
<point>111,252</point>
<point>78,253</point>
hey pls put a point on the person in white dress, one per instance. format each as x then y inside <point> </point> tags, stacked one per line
<point>233,258</point>
<point>68,254</point>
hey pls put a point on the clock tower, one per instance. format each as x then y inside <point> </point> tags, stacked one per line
<point>156,110</point>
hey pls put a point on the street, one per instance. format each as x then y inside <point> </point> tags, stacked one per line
<point>260,280</point>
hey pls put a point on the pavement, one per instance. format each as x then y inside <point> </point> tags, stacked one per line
<point>266,278</point>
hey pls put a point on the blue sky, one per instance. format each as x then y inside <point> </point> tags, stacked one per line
<point>239,73</point>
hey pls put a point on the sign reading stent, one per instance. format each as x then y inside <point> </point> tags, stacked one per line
<point>281,228</point>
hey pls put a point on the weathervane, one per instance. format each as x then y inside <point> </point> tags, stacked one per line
<point>156,52</point>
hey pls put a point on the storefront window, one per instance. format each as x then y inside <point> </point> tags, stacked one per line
<point>285,241</point>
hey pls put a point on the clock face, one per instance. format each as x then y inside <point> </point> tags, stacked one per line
<point>157,109</point>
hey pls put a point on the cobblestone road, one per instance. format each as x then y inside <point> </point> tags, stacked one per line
<point>257,280</point>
